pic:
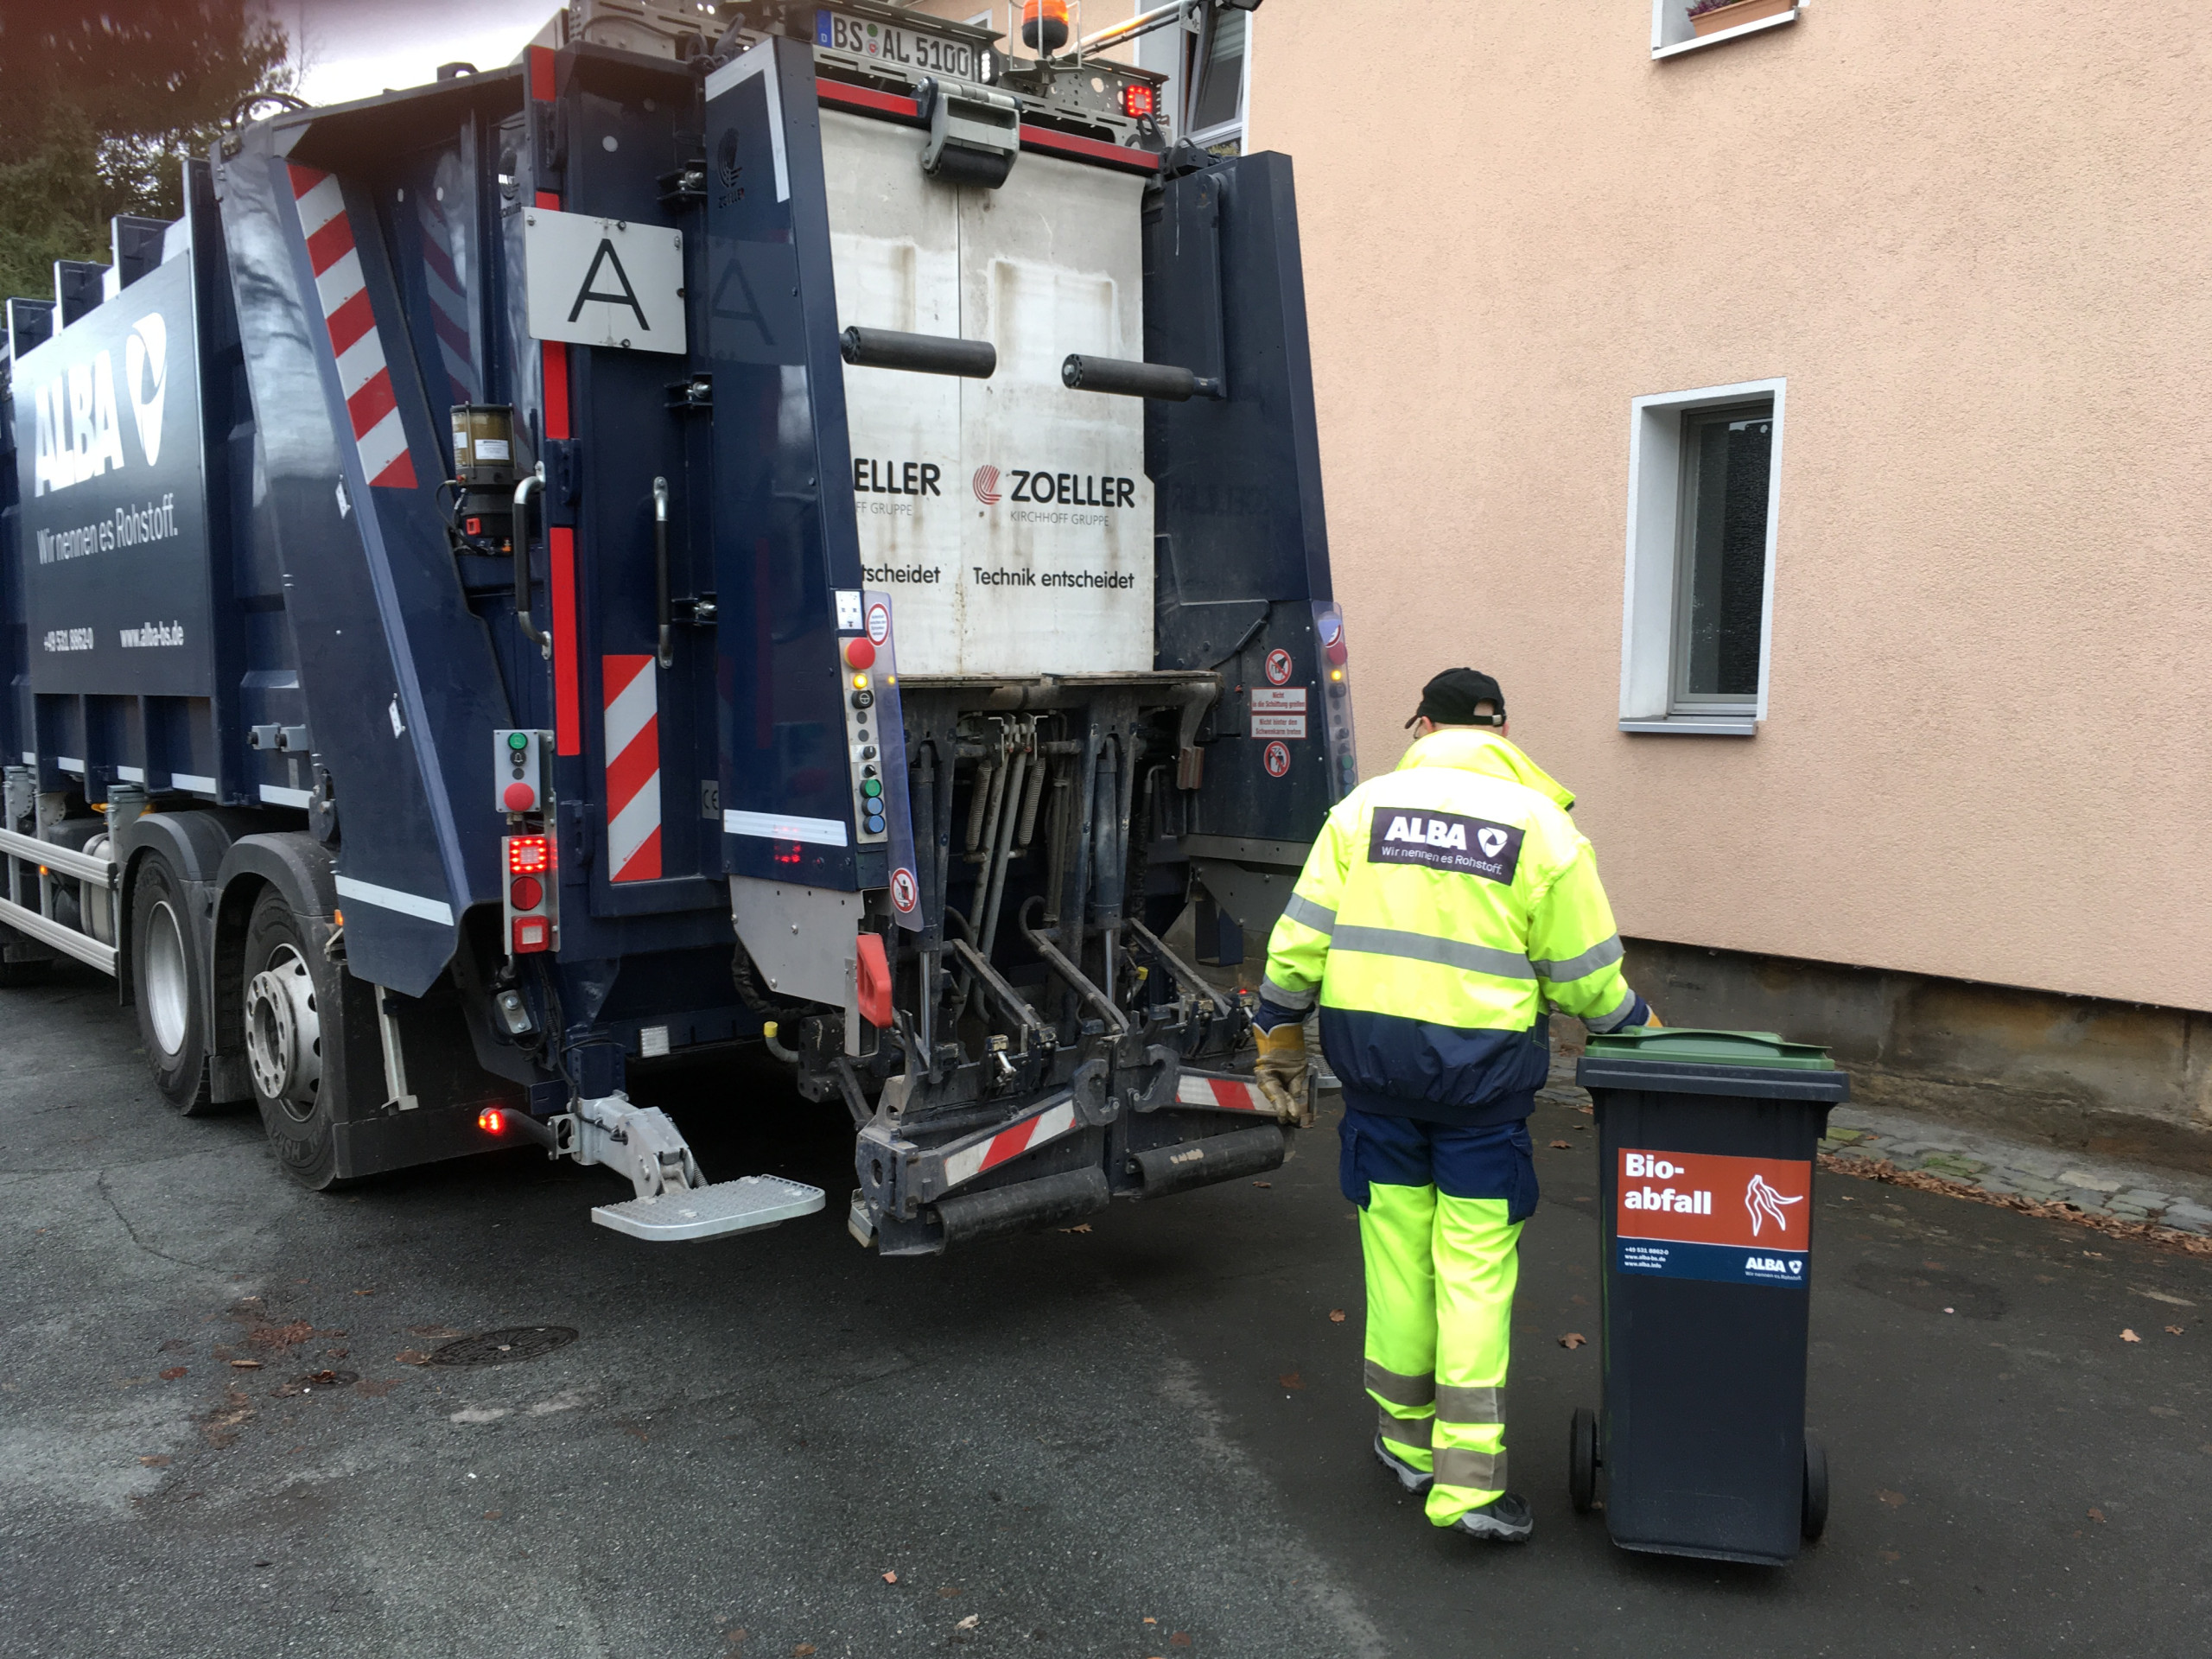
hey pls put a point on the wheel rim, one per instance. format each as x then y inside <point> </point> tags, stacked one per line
<point>283,1034</point>
<point>167,988</point>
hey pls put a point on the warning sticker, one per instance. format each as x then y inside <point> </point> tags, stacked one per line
<point>879,622</point>
<point>1278,725</point>
<point>1278,761</point>
<point>1279,667</point>
<point>1279,700</point>
<point>1692,1215</point>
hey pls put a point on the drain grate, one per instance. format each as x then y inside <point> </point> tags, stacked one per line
<point>504,1347</point>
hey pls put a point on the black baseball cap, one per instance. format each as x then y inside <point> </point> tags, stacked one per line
<point>1450,699</point>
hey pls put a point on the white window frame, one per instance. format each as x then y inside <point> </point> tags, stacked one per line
<point>1651,592</point>
<point>1222,132</point>
<point>1672,35</point>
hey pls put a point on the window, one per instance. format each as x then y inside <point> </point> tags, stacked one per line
<point>1704,485</point>
<point>1674,32</point>
<point>1208,74</point>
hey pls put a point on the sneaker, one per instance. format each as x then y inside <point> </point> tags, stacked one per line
<point>1503,1520</point>
<point>1413,1480</point>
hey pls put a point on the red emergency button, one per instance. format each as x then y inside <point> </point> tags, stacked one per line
<point>519,798</point>
<point>532,933</point>
<point>860,653</point>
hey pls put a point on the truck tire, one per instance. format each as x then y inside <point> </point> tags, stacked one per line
<point>171,1021</point>
<point>287,985</point>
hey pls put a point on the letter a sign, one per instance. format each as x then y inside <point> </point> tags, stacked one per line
<point>604,282</point>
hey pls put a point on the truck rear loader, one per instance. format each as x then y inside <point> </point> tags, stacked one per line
<point>776,525</point>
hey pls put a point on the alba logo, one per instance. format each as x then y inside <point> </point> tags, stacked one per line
<point>145,364</point>
<point>79,434</point>
<point>986,485</point>
<point>1492,840</point>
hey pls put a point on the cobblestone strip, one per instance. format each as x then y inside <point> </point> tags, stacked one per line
<point>1866,1167</point>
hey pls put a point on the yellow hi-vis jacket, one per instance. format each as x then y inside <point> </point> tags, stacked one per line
<point>1444,907</point>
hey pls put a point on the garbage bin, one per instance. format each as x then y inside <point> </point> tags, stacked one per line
<point>1706,1145</point>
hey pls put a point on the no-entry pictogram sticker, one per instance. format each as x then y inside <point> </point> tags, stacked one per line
<point>903,893</point>
<point>1278,759</point>
<point>1278,666</point>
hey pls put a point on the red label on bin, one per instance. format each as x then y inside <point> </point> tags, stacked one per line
<point>1697,1198</point>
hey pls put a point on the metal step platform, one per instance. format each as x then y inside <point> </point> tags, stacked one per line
<point>745,1205</point>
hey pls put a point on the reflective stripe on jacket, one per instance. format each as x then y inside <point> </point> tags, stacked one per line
<point>1443,907</point>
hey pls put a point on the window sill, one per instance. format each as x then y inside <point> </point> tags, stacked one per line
<point>1693,725</point>
<point>1735,34</point>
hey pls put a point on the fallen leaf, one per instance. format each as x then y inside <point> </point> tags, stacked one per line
<point>1888,1554</point>
<point>1336,1316</point>
<point>2129,1336</point>
<point>364,1293</point>
<point>1292,1380</point>
<point>175,1346</point>
<point>411,1357</point>
<point>160,1461</point>
<point>891,1578</point>
<point>2096,1256</point>
<point>246,1364</point>
<point>1081,1227</point>
<point>377,1389</point>
<point>1263,1183</point>
<point>802,1650</point>
<point>280,1336</point>
<point>2097,1515</point>
<point>1894,1500</point>
<point>1180,1639</point>
<point>2171,1331</point>
<point>491,1514</point>
<point>437,1332</point>
<point>1150,1621</point>
<point>334,1353</point>
<point>969,1623</point>
<point>948,1592</point>
<point>171,1373</point>
<point>1572,1339</point>
<point>1562,1146</point>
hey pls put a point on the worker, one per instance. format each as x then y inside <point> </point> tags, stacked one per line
<point>1444,905</point>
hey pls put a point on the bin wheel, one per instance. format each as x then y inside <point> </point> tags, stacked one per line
<point>1813,1519</point>
<point>1582,1460</point>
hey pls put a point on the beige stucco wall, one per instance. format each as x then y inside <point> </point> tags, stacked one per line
<point>1973,237</point>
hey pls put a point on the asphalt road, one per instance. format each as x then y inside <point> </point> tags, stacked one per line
<point>1138,1441</point>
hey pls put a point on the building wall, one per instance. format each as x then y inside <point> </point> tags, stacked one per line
<point>1971,238</point>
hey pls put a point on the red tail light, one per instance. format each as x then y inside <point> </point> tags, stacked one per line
<point>492,1121</point>
<point>1139,99</point>
<point>529,854</point>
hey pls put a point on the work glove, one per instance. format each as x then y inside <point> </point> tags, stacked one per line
<point>1282,1074</point>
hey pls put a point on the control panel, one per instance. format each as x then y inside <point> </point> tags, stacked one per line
<point>518,769</point>
<point>532,899</point>
<point>875,745</point>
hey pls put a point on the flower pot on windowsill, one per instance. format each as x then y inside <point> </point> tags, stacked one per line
<point>1738,13</point>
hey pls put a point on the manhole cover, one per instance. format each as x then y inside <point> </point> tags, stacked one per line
<point>502,1347</point>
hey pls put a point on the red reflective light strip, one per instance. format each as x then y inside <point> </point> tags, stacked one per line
<point>541,75</point>
<point>1090,149</point>
<point>567,693</point>
<point>866,98</point>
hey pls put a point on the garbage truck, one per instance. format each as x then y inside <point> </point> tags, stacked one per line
<point>768,525</point>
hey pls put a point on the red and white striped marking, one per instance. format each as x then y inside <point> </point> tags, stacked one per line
<point>1228,1094</point>
<point>363,375</point>
<point>632,694</point>
<point>1011,1142</point>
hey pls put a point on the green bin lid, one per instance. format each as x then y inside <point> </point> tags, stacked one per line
<point>1687,1046</point>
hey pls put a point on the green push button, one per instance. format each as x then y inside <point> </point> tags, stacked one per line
<point>872,788</point>
<point>518,741</point>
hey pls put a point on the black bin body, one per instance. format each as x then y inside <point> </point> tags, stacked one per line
<point>1706,1181</point>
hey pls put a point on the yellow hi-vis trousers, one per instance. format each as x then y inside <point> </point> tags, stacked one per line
<point>1440,1275</point>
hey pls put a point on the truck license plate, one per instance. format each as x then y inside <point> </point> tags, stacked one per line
<point>893,45</point>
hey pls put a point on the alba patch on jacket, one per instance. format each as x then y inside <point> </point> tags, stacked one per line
<point>1446,841</point>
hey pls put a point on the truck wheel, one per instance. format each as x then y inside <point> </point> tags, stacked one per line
<point>171,1022</point>
<point>1814,1519</point>
<point>1582,1460</point>
<point>286,985</point>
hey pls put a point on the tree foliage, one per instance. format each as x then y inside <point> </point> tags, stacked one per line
<point>101,103</point>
